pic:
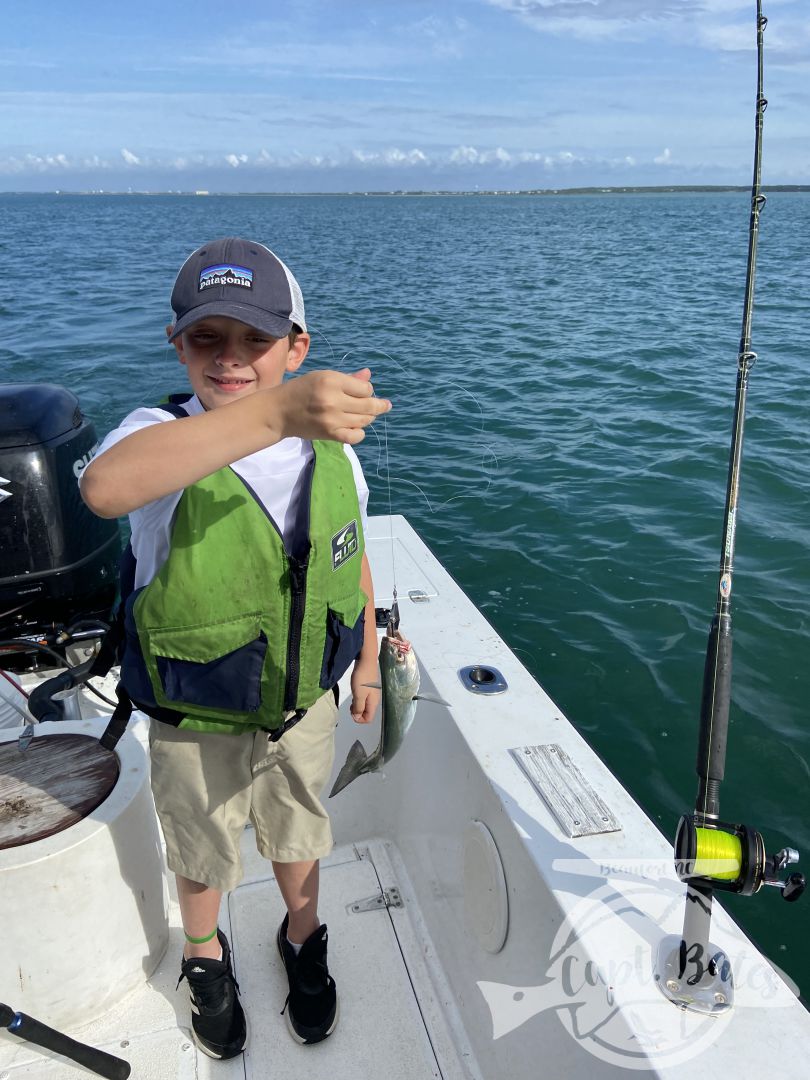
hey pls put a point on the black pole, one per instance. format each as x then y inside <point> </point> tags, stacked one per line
<point>716,697</point>
<point>693,963</point>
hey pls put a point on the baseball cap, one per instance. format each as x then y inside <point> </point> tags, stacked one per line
<point>241,279</point>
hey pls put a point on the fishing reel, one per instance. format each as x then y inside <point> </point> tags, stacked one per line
<point>719,855</point>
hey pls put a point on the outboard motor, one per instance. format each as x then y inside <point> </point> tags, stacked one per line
<point>58,561</point>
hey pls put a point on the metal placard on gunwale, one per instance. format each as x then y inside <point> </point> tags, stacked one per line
<point>566,792</point>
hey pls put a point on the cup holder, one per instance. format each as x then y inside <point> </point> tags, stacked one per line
<point>482,679</point>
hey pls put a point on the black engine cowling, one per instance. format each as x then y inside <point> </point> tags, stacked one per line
<point>58,561</point>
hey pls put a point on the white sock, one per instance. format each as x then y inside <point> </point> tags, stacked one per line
<point>206,957</point>
<point>296,948</point>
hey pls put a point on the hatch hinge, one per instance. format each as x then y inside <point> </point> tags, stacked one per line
<point>386,899</point>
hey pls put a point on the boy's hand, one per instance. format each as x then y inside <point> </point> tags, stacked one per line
<point>330,405</point>
<point>365,698</point>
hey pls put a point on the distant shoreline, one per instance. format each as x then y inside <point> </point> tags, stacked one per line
<point>673,189</point>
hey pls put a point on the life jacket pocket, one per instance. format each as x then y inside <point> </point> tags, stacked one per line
<point>215,667</point>
<point>341,648</point>
<point>134,672</point>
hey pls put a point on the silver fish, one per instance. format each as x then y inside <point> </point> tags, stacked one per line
<point>399,675</point>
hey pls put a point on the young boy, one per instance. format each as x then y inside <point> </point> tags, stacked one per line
<point>252,595</point>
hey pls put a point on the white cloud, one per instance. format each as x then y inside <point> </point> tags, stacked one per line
<point>599,18</point>
<point>464,155</point>
<point>390,157</point>
<point>718,25</point>
<point>444,35</point>
<point>463,160</point>
<point>400,157</point>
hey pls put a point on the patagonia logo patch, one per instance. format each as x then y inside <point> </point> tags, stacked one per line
<point>225,274</point>
<point>344,545</point>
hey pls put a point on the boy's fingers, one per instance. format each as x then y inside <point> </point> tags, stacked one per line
<point>362,388</point>
<point>361,415</point>
<point>360,385</point>
<point>351,435</point>
<point>370,407</point>
<point>333,405</point>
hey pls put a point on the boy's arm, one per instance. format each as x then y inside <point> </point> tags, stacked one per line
<point>365,698</point>
<point>164,458</point>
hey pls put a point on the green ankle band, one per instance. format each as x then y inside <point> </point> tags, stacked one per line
<point>201,940</point>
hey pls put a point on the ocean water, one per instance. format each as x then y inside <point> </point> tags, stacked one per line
<point>563,372</point>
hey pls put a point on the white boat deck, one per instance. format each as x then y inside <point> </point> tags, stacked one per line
<point>393,1015</point>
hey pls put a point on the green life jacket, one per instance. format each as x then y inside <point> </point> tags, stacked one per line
<point>234,631</point>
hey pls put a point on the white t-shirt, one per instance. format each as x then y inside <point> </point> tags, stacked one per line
<point>274,474</point>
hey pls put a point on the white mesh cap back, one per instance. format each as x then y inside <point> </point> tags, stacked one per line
<point>297,312</point>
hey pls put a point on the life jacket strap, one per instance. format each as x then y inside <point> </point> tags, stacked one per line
<point>299,714</point>
<point>118,721</point>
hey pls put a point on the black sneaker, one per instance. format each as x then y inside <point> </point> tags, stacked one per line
<point>311,1005</point>
<point>217,1019</point>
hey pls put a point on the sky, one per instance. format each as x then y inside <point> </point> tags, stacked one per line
<point>354,95</point>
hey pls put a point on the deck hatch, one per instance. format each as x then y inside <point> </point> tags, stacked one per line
<point>566,792</point>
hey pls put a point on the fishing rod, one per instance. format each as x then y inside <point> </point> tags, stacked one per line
<point>710,853</point>
<point>39,1034</point>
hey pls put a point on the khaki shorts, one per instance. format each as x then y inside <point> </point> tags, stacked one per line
<point>208,786</point>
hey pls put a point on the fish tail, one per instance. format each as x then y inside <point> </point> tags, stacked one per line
<point>353,766</point>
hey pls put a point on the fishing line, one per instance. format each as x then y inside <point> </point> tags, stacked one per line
<point>357,358</point>
<point>488,455</point>
<point>394,605</point>
<point>718,854</point>
<point>489,463</point>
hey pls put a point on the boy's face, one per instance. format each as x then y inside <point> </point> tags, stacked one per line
<point>227,359</point>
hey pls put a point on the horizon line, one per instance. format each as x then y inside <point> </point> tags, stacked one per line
<point>591,189</point>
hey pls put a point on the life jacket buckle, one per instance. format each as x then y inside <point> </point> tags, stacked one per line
<point>291,721</point>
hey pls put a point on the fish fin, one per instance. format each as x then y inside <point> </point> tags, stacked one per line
<point>373,685</point>
<point>431,697</point>
<point>353,766</point>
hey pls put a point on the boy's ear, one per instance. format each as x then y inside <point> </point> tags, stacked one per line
<point>297,352</point>
<point>178,343</point>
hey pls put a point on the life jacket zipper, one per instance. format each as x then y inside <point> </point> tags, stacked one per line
<point>298,592</point>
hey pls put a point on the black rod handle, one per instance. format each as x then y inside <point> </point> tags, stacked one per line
<point>33,1031</point>
<point>714,714</point>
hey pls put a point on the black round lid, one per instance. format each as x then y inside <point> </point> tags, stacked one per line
<point>35,413</point>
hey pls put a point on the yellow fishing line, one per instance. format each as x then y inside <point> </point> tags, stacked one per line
<point>719,855</point>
